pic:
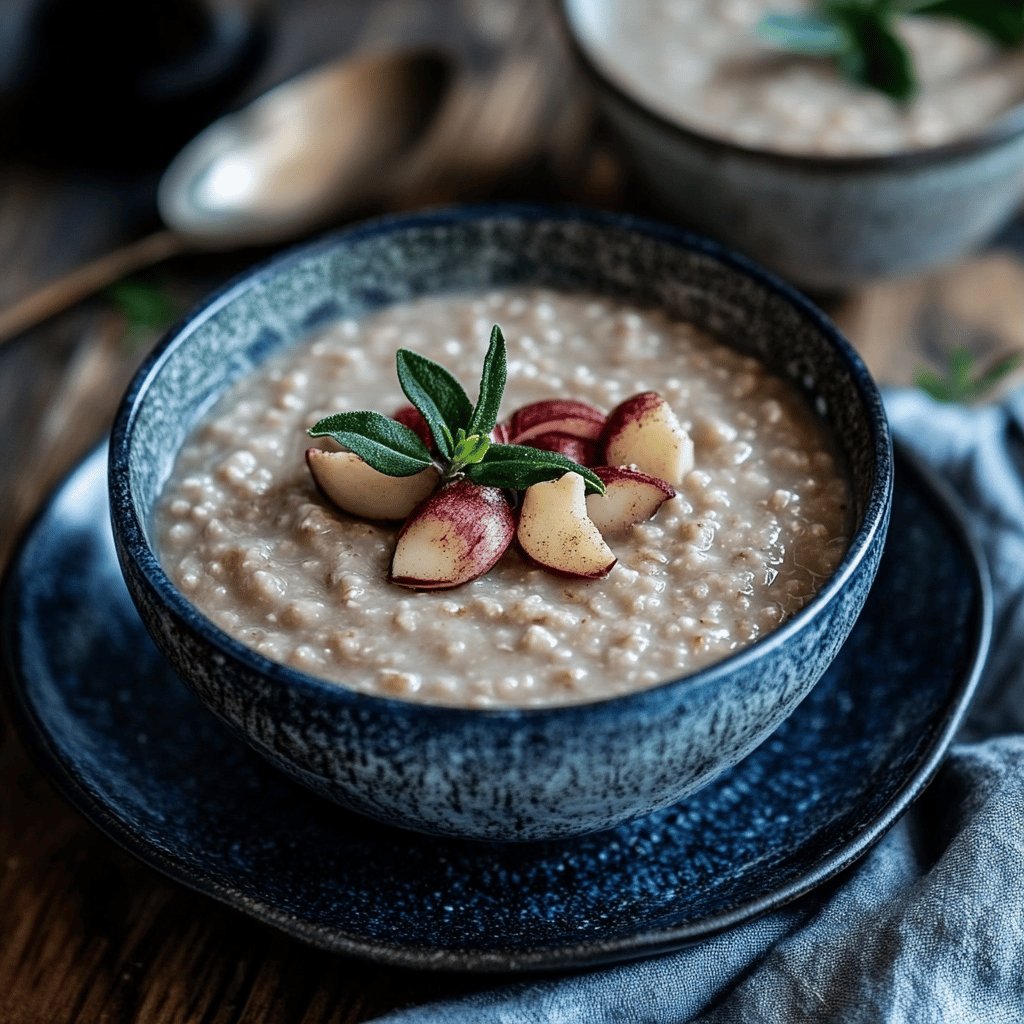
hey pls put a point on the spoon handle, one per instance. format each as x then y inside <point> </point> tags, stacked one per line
<point>67,291</point>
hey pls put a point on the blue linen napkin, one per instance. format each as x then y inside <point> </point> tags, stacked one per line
<point>929,926</point>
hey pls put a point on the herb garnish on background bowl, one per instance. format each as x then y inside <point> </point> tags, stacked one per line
<point>859,36</point>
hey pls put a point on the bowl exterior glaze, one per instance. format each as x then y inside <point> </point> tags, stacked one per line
<point>828,223</point>
<point>504,774</point>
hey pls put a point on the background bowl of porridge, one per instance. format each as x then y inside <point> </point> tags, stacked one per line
<point>829,183</point>
<point>522,705</point>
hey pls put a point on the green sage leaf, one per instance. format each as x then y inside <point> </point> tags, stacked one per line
<point>492,385</point>
<point>518,466</point>
<point>388,446</point>
<point>438,396</point>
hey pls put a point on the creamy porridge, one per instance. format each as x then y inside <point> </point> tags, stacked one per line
<point>700,63</point>
<point>756,527</point>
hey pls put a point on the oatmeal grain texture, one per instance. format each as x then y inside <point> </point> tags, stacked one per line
<point>758,525</point>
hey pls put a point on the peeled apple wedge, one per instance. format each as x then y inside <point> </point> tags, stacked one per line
<point>630,497</point>
<point>555,532</point>
<point>643,431</point>
<point>456,535</point>
<point>360,490</point>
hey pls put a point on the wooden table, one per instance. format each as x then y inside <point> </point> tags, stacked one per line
<point>87,933</point>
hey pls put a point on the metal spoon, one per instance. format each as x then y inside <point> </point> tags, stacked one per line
<point>305,151</point>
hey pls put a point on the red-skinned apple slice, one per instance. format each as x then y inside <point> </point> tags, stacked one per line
<point>555,416</point>
<point>555,532</point>
<point>643,431</point>
<point>579,449</point>
<point>409,416</point>
<point>456,535</point>
<point>630,497</point>
<point>360,490</point>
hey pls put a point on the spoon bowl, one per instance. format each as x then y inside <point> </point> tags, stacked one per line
<point>302,152</point>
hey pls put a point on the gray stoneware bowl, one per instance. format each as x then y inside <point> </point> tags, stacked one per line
<point>501,774</point>
<point>828,223</point>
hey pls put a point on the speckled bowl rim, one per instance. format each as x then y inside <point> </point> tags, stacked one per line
<point>131,532</point>
<point>1004,128</point>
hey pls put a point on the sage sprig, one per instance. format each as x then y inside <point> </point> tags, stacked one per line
<point>460,429</point>
<point>859,36</point>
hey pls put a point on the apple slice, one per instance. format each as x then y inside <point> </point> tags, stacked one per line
<point>409,416</point>
<point>555,416</point>
<point>579,449</point>
<point>630,497</point>
<point>360,490</point>
<point>643,431</point>
<point>555,532</point>
<point>456,535</point>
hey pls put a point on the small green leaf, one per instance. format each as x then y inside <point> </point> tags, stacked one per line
<point>811,34</point>
<point>962,383</point>
<point>388,446</point>
<point>438,396</point>
<point>492,385</point>
<point>517,466</point>
<point>144,306</point>
<point>469,450</point>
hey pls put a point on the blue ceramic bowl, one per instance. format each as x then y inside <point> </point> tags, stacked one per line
<point>826,222</point>
<point>504,774</point>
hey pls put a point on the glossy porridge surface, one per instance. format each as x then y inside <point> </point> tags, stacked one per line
<point>701,63</point>
<point>756,528</point>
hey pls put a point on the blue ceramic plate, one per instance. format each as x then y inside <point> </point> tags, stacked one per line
<point>140,757</point>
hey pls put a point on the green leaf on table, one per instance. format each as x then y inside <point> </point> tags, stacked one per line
<point>492,385</point>
<point>147,309</point>
<point>438,396</point>
<point>962,383</point>
<point>518,466</point>
<point>386,445</point>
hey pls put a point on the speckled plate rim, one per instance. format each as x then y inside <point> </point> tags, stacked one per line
<point>844,852</point>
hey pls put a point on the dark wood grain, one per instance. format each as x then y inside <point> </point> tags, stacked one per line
<point>87,933</point>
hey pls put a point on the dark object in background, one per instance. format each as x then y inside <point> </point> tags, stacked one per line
<point>122,83</point>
